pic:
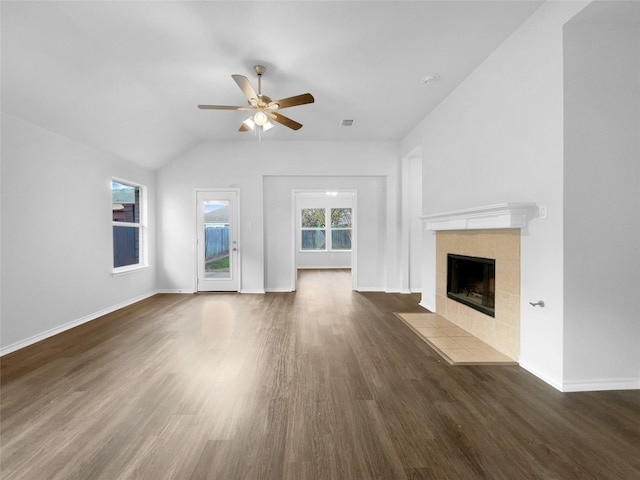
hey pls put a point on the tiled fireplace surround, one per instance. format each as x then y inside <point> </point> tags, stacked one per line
<point>502,332</point>
<point>490,232</point>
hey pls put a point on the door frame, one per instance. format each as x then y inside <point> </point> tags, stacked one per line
<point>354,232</point>
<point>236,215</point>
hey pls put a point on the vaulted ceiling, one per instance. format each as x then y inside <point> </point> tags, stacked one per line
<point>125,77</point>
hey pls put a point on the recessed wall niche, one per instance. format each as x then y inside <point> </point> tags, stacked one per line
<point>502,332</point>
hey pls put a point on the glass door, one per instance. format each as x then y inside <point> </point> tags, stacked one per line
<point>217,236</point>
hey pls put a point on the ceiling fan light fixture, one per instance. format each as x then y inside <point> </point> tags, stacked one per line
<point>249,123</point>
<point>260,118</point>
<point>267,126</point>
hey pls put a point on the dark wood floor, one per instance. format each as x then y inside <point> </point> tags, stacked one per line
<point>324,383</point>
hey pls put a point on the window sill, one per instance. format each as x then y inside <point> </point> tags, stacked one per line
<point>117,272</point>
<point>324,251</point>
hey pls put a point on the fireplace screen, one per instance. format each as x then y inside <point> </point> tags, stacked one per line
<point>472,281</point>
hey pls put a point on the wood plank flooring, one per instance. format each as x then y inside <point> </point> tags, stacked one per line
<point>324,383</point>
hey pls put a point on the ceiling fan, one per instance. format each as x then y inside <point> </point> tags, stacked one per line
<point>262,107</point>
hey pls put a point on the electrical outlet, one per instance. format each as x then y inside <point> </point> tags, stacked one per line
<point>543,213</point>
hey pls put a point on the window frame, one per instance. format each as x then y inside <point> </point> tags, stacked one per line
<point>141,225</point>
<point>324,229</point>
<point>327,229</point>
<point>338,229</point>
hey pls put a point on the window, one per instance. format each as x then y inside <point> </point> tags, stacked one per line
<point>340,229</point>
<point>313,226</point>
<point>127,201</point>
<point>314,229</point>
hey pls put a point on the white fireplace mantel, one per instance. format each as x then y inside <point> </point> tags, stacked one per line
<point>502,215</point>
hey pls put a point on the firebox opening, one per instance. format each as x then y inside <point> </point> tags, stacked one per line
<point>472,281</point>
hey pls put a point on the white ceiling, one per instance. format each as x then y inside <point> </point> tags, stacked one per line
<point>125,77</point>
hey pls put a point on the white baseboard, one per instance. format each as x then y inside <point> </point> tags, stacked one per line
<point>370,289</point>
<point>545,378</point>
<point>175,290</point>
<point>596,385</point>
<point>69,325</point>
<point>590,385</point>
<point>259,291</point>
<point>431,308</point>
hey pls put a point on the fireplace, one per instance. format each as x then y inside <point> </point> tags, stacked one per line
<point>472,282</point>
<point>501,331</point>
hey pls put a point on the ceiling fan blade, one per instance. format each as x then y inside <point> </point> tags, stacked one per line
<point>222,107</point>
<point>286,121</point>
<point>244,128</point>
<point>294,101</point>
<point>245,86</point>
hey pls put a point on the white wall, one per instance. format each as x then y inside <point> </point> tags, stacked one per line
<point>244,165</point>
<point>499,138</point>
<point>371,255</point>
<point>57,253</point>
<point>411,241</point>
<point>320,199</point>
<point>602,197</point>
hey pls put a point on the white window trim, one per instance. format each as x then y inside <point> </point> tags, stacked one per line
<point>117,272</point>
<point>143,262</point>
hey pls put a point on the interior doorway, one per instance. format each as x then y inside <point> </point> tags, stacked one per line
<point>325,231</point>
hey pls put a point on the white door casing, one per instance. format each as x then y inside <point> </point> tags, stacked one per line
<point>217,241</point>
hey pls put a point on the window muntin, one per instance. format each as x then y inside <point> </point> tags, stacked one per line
<point>127,203</point>
<point>316,235</point>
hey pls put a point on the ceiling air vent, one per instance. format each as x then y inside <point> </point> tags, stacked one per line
<point>347,123</point>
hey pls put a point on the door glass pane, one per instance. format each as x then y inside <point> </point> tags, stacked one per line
<point>216,239</point>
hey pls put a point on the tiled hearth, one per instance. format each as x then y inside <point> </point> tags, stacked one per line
<point>455,345</point>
